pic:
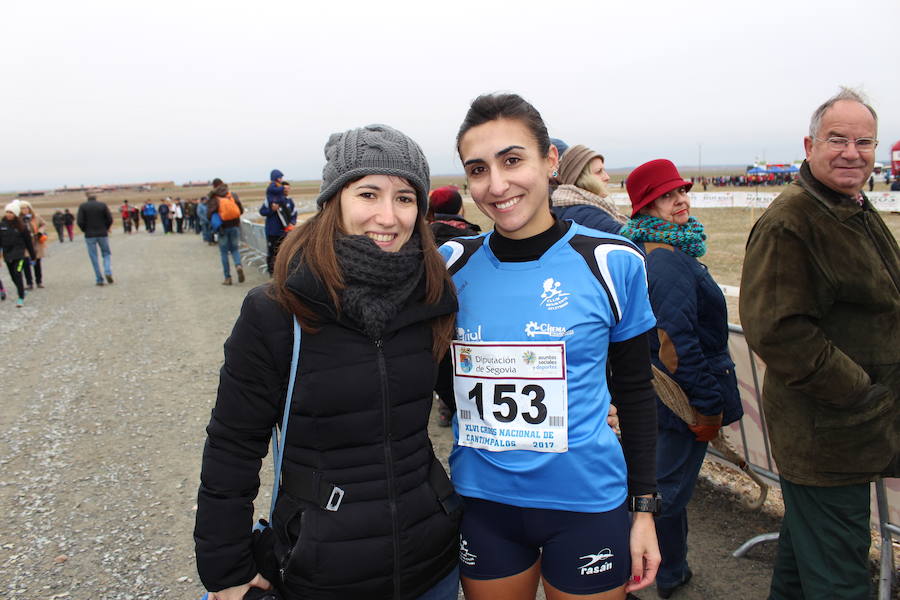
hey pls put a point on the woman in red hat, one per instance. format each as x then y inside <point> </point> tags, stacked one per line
<point>691,346</point>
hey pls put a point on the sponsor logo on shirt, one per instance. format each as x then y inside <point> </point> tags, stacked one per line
<point>591,567</point>
<point>533,328</point>
<point>553,298</point>
<point>467,335</point>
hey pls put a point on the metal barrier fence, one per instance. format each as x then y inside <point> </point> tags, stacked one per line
<point>254,246</point>
<point>750,436</point>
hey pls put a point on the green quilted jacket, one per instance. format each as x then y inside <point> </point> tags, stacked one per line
<point>820,304</point>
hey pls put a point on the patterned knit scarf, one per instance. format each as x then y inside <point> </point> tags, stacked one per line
<point>570,195</point>
<point>689,238</point>
<point>378,283</point>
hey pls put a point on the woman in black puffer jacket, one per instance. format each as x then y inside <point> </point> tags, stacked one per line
<point>376,306</point>
<point>15,240</point>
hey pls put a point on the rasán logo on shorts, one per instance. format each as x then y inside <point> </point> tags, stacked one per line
<point>591,567</point>
<point>553,298</point>
<point>466,557</point>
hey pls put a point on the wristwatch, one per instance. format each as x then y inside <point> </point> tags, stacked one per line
<point>651,504</point>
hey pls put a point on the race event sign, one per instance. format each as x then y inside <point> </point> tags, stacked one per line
<point>511,395</point>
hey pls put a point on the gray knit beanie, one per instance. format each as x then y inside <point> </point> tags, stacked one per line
<point>573,162</point>
<point>373,150</point>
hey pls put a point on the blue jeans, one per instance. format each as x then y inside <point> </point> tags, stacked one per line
<point>445,589</point>
<point>228,243</point>
<point>103,243</point>
<point>679,457</point>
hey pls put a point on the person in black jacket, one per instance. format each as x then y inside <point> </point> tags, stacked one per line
<point>446,218</point>
<point>95,220</point>
<point>14,242</point>
<point>368,287</point>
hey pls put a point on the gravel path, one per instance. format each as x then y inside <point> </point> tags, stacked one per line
<point>105,395</point>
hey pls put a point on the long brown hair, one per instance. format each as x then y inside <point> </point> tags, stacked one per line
<point>17,222</point>
<point>313,244</point>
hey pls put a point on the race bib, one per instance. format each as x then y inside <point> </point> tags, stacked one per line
<point>511,395</point>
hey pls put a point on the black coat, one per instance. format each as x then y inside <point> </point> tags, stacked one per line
<point>94,218</point>
<point>13,242</point>
<point>359,416</point>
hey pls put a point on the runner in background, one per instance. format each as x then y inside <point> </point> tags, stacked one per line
<point>545,306</point>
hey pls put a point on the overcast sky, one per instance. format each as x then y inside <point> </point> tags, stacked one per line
<point>113,92</point>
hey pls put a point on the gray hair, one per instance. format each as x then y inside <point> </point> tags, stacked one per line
<point>846,93</point>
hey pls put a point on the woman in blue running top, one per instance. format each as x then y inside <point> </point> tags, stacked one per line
<point>552,324</point>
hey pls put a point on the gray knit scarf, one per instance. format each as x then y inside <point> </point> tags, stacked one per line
<point>378,283</point>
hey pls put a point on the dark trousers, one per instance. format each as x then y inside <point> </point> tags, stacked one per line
<point>679,457</point>
<point>150,223</point>
<point>272,244</point>
<point>126,225</point>
<point>823,547</point>
<point>59,232</point>
<point>15,271</point>
<point>179,225</point>
<point>137,223</point>
<point>37,277</point>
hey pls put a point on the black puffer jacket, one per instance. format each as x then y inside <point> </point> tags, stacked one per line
<point>13,242</point>
<point>359,418</point>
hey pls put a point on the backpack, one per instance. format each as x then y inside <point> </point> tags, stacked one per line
<point>228,208</point>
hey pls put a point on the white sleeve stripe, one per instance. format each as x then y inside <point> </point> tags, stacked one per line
<point>601,254</point>
<point>456,252</point>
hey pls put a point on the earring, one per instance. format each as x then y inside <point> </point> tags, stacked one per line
<point>555,173</point>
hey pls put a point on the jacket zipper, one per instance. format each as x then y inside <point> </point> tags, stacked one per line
<point>389,463</point>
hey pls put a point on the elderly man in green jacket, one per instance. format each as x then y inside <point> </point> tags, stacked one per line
<point>820,304</point>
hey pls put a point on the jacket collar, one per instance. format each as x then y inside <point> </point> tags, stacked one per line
<point>841,206</point>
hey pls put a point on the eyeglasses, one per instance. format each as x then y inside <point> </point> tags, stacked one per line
<point>839,144</point>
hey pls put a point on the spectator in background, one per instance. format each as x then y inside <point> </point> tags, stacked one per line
<point>59,221</point>
<point>445,217</point>
<point>824,314</point>
<point>280,214</point>
<point>225,211</point>
<point>582,193</point>
<point>136,218</point>
<point>15,242</point>
<point>165,215</point>
<point>149,214</point>
<point>37,229</point>
<point>69,222</point>
<point>690,347</point>
<point>178,215</point>
<point>95,221</point>
<point>190,212</point>
<point>125,214</point>
<point>895,185</point>
<point>203,221</point>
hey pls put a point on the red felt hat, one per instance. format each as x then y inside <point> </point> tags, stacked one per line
<point>651,180</point>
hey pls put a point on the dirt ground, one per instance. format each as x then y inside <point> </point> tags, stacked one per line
<point>106,392</point>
